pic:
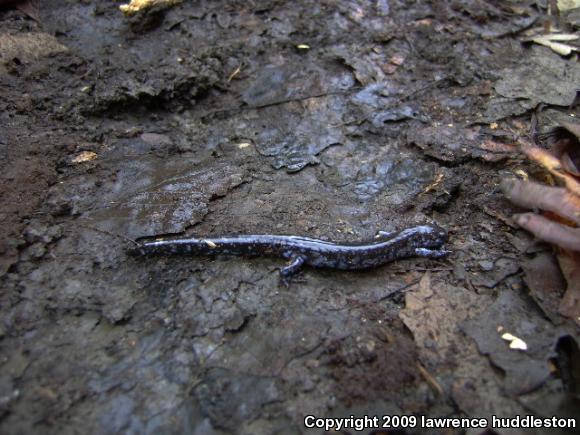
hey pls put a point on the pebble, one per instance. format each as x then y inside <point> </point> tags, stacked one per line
<point>486,265</point>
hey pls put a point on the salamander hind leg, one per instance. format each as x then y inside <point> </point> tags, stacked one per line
<point>289,271</point>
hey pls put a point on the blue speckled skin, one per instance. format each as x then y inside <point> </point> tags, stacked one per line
<point>420,241</point>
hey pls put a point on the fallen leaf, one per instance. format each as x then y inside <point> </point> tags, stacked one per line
<point>84,156</point>
<point>566,5</point>
<point>25,6</point>
<point>525,371</point>
<point>136,6</point>
<point>433,313</point>
<point>451,143</point>
<point>570,305</point>
<point>551,41</point>
<point>449,362</point>
<point>497,150</point>
<point>515,342</point>
<point>546,283</point>
<point>28,47</point>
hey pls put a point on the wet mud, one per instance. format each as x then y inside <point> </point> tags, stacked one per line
<point>333,120</point>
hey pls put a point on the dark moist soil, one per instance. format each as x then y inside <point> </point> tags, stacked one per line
<point>331,119</point>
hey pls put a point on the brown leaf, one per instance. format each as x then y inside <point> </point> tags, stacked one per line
<point>570,305</point>
<point>25,6</point>
<point>433,312</point>
<point>545,282</point>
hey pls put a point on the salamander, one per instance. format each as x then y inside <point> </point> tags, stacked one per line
<point>420,241</point>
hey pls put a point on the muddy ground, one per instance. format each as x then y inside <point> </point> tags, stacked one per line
<point>332,119</point>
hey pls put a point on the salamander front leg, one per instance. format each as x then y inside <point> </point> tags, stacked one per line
<point>289,271</point>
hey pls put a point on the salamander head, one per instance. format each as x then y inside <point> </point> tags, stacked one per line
<point>433,236</point>
<point>426,236</point>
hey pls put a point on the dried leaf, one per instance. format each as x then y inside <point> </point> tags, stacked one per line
<point>551,41</point>
<point>559,37</point>
<point>515,342</point>
<point>566,5</point>
<point>28,47</point>
<point>84,156</point>
<point>570,305</point>
<point>136,6</point>
<point>513,314</point>
<point>433,312</point>
<point>545,283</point>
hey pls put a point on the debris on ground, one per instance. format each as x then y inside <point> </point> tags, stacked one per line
<point>333,120</point>
<point>558,224</point>
<point>136,6</point>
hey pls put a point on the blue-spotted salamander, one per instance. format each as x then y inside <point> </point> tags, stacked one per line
<point>419,241</point>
